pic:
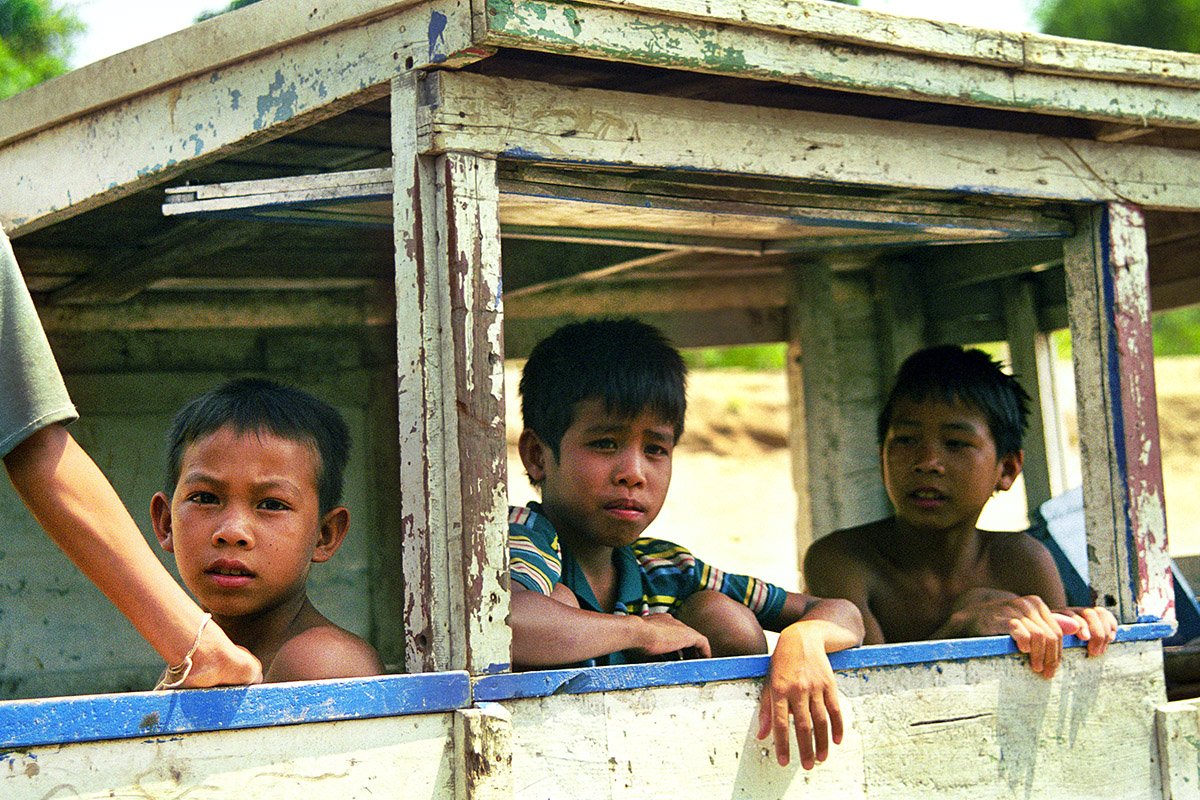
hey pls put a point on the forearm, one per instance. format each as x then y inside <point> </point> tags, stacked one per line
<point>839,621</point>
<point>71,499</point>
<point>546,632</point>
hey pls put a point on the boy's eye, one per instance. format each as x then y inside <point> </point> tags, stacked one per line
<point>202,498</point>
<point>272,504</point>
<point>957,444</point>
<point>657,450</point>
<point>902,438</point>
<point>603,444</point>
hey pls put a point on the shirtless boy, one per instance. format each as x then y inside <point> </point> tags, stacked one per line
<point>949,438</point>
<point>255,475</point>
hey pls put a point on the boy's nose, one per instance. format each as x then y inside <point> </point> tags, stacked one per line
<point>631,470</point>
<point>928,459</point>
<point>234,530</point>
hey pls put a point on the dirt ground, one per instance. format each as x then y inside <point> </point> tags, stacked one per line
<point>731,499</point>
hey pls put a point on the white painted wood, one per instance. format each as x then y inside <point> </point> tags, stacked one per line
<point>451,403</point>
<point>360,760</point>
<point>981,728</point>
<point>858,50</point>
<point>470,199</point>
<point>1178,727</point>
<point>483,745</point>
<point>1020,318</point>
<point>204,47</point>
<point>1012,49</point>
<point>557,123</point>
<point>1108,297</point>
<point>427,433</point>
<point>146,140</point>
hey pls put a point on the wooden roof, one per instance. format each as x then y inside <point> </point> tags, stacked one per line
<point>273,91</point>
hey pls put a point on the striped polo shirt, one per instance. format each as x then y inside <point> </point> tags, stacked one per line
<point>653,576</point>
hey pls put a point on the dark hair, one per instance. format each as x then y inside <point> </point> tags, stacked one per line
<point>625,363</point>
<point>947,372</point>
<point>255,404</point>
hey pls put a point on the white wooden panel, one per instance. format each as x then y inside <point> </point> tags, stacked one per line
<point>978,728</point>
<point>1178,725</point>
<point>870,53</point>
<point>539,121</point>
<point>148,139</point>
<point>401,757</point>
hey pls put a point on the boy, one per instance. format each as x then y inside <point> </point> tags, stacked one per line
<point>255,475</point>
<point>72,500</point>
<point>603,404</point>
<point>949,438</point>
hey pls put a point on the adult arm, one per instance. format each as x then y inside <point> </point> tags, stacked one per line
<point>800,682</point>
<point>547,633</point>
<point>72,500</point>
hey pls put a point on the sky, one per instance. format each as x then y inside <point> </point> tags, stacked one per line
<point>117,25</point>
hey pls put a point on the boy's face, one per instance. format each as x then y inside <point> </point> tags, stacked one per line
<point>610,478</point>
<point>940,464</point>
<point>244,522</point>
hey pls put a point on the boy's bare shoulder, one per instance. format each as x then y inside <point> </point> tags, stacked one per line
<point>324,651</point>
<point>860,543</point>
<point>1017,552</point>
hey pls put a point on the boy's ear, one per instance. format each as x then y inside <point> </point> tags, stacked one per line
<point>333,533</point>
<point>533,455</point>
<point>160,514</point>
<point>1010,468</point>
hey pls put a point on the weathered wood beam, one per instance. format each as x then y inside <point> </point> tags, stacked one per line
<point>965,265</point>
<point>117,149</point>
<point>1011,49</point>
<point>847,48</point>
<point>127,272</point>
<point>189,311</point>
<point>717,328</point>
<point>451,403</point>
<point>648,295</point>
<point>544,122</point>
<point>1109,301</point>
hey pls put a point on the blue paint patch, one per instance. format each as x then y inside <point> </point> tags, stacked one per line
<point>278,104</point>
<point>437,34</point>
<point>235,99</point>
<point>198,143</point>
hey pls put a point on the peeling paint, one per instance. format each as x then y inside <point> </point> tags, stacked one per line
<point>278,104</point>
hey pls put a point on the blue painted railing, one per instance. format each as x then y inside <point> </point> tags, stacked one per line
<point>28,723</point>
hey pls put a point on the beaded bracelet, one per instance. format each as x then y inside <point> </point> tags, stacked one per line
<point>185,666</point>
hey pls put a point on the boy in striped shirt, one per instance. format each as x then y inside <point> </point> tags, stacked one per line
<point>603,404</point>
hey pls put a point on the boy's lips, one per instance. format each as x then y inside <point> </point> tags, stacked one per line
<point>228,573</point>
<point>625,508</point>
<point>927,497</point>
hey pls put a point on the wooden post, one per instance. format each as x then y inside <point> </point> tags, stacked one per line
<point>1108,299</point>
<point>483,739</point>
<point>1025,346</point>
<point>451,401</point>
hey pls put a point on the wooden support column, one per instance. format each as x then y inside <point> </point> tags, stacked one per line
<point>451,402</point>
<point>834,382</point>
<point>483,739</point>
<point>1029,351</point>
<point>1109,303</point>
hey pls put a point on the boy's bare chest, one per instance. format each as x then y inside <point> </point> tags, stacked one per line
<point>912,605</point>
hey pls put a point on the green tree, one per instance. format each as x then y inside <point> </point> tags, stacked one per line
<point>233,6</point>
<point>1162,24</point>
<point>36,38</point>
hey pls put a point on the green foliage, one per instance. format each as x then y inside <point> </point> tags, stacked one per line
<point>35,42</point>
<point>1162,24</point>
<point>1177,332</point>
<point>751,357</point>
<point>233,6</point>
